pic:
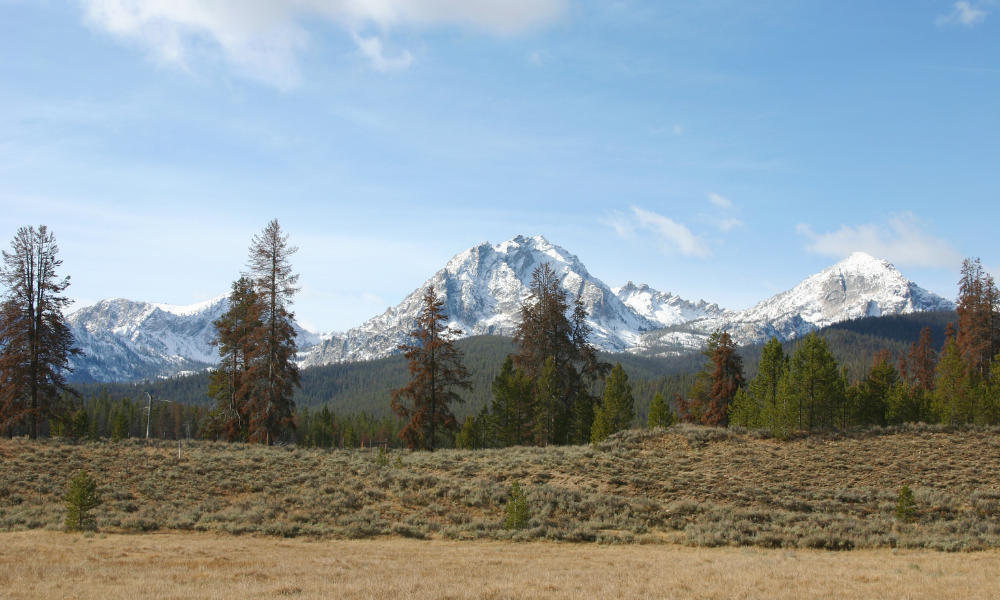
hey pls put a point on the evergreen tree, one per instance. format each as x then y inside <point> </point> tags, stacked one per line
<point>745,411</point>
<point>35,340</point>
<point>952,402</point>
<point>978,318</point>
<point>236,383</point>
<point>759,405</point>
<point>436,371</point>
<point>517,514</point>
<point>583,418</point>
<point>81,499</point>
<point>550,329</point>
<point>547,404</point>
<point>874,392</point>
<point>716,385</point>
<point>659,412</point>
<point>272,405</point>
<point>727,379</point>
<point>815,389</point>
<point>617,408</point>
<point>513,405</point>
<point>478,431</point>
<point>120,424</point>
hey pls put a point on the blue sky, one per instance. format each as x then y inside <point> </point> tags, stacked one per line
<point>718,149</point>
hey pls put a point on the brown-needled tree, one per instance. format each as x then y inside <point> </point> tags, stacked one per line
<point>240,340</point>
<point>437,373</point>
<point>272,408</point>
<point>35,340</point>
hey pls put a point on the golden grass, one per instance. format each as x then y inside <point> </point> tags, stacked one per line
<point>40,564</point>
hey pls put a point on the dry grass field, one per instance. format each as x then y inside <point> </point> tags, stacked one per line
<point>42,564</point>
<point>686,485</point>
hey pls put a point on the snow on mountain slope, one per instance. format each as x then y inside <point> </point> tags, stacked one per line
<point>125,340</point>
<point>483,289</point>
<point>664,309</point>
<point>859,286</point>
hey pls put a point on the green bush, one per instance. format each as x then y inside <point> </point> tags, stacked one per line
<point>80,500</point>
<point>906,506</point>
<point>517,508</point>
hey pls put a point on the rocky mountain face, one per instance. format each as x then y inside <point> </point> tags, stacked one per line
<point>483,289</point>
<point>663,308</point>
<point>123,340</point>
<point>859,286</point>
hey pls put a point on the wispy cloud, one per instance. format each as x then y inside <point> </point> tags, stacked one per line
<point>902,241</point>
<point>963,13</point>
<point>372,49</point>
<point>720,201</point>
<point>674,235</point>
<point>264,37</point>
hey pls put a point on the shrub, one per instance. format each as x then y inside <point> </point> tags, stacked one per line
<point>382,458</point>
<point>906,506</point>
<point>81,499</point>
<point>517,508</point>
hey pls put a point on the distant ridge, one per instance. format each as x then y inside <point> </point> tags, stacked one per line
<point>483,289</point>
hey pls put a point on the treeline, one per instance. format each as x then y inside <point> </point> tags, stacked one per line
<point>954,385</point>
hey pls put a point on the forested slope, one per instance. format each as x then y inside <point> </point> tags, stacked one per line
<point>365,386</point>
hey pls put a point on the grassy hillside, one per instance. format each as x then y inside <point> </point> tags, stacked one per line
<point>688,485</point>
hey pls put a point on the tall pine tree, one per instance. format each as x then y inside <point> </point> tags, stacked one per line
<point>550,329</point>
<point>270,270</point>
<point>513,405</point>
<point>814,388</point>
<point>436,372</point>
<point>35,341</point>
<point>234,384</point>
<point>617,408</point>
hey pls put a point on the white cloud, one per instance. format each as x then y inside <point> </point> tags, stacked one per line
<point>903,242</point>
<point>720,201</point>
<point>372,49</point>
<point>674,234</point>
<point>963,13</point>
<point>264,37</point>
<point>728,224</point>
<point>678,130</point>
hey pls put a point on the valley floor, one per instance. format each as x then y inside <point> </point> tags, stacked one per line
<point>44,564</point>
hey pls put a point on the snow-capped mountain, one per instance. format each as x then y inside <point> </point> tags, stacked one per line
<point>483,289</point>
<point>124,340</point>
<point>665,309</point>
<point>859,286</point>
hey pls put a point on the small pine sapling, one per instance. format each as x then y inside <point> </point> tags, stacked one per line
<point>119,426</point>
<point>80,500</point>
<point>382,458</point>
<point>517,508</point>
<point>906,506</point>
<point>399,461</point>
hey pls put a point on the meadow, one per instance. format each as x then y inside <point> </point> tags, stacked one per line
<point>43,564</point>
<point>686,485</point>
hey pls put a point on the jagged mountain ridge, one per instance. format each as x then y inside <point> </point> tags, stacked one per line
<point>483,289</point>
<point>125,340</point>
<point>858,286</point>
<point>664,308</point>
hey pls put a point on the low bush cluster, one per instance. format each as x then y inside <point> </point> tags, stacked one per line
<point>684,484</point>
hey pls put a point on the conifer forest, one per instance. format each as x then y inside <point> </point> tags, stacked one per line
<point>476,437</point>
